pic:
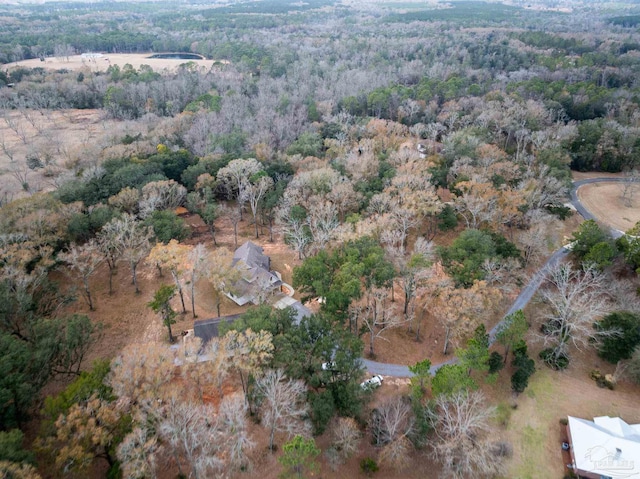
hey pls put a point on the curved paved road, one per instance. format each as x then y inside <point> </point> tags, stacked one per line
<point>399,370</point>
<point>584,212</point>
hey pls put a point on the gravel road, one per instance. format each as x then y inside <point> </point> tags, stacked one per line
<point>398,370</point>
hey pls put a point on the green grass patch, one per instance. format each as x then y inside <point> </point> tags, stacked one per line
<point>531,432</point>
<point>503,414</point>
<point>533,441</point>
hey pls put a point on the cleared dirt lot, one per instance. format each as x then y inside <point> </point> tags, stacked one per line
<point>605,201</point>
<point>102,61</point>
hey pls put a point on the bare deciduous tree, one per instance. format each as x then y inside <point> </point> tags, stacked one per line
<point>575,299</point>
<point>141,371</point>
<point>108,244</point>
<point>464,440</point>
<point>413,272</point>
<point>391,420</point>
<point>248,352</point>
<point>196,372</point>
<point>322,221</point>
<point>127,200</point>
<point>284,406</point>
<point>232,417</point>
<point>477,203</point>
<point>295,230</point>
<point>534,240</point>
<point>540,188</point>
<point>172,256</point>
<point>376,314</point>
<point>629,186</point>
<point>17,126</point>
<point>132,241</point>
<point>404,220</point>
<point>391,424</point>
<point>345,437</point>
<point>218,362</point>
<point>191,432</point>
<point>220,273</point>
<point>235,217</point>
<point>254,192</point>
<point>63,51</point>
<point>84,260</point>
<point>237,171</point>
<point>196,269</point>
<point>139,452</point>
<point>460,310</point>
<point>161,195</point>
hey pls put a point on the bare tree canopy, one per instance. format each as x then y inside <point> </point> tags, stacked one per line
<point>575,299</point>
<point>465,442</point>
<point>284,408</point>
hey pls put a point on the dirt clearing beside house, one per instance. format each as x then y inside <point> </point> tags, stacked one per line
<point>605,201</point>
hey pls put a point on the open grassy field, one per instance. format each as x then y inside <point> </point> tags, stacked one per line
<point>605,201</point>
<point>104,61</point>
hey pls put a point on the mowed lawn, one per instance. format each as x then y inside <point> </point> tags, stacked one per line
<point>534,426</point>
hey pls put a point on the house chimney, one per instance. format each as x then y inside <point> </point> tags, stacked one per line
<point>618,453</point>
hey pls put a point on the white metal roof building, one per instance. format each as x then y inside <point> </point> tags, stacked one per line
<point>606,447</point>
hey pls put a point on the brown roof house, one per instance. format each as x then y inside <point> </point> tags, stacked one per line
<point>258,285</point>
<point>258,282</point>
<point>605,448</point>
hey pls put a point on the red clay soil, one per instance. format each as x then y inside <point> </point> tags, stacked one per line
<point>127,319</point>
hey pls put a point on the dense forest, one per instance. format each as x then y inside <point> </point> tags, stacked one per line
<point>414,161</point>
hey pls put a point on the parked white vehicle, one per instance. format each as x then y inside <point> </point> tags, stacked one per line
<point>330,366</point>
<point>372,383</point>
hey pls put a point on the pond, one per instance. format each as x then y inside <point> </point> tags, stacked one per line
<point>178,56</point>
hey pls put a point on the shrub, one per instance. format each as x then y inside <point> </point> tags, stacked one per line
<point>520,349</point>
<point>502,449</point>
<point>308,144</point>
<point>496,362</point>
<point>562,212</point>
<point>298,457</point>
<point>589,235</point>
<point>167,226</point>
<point>368,466</point>
<point>322,410</point>
<point>602,380</point>
<point>554,362</point>
<point>621,345</point>
<point>447,218</point>
<point>520,379</point>
<point>464,259</point>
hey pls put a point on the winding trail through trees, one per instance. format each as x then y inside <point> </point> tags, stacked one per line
<point>399,370</point>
